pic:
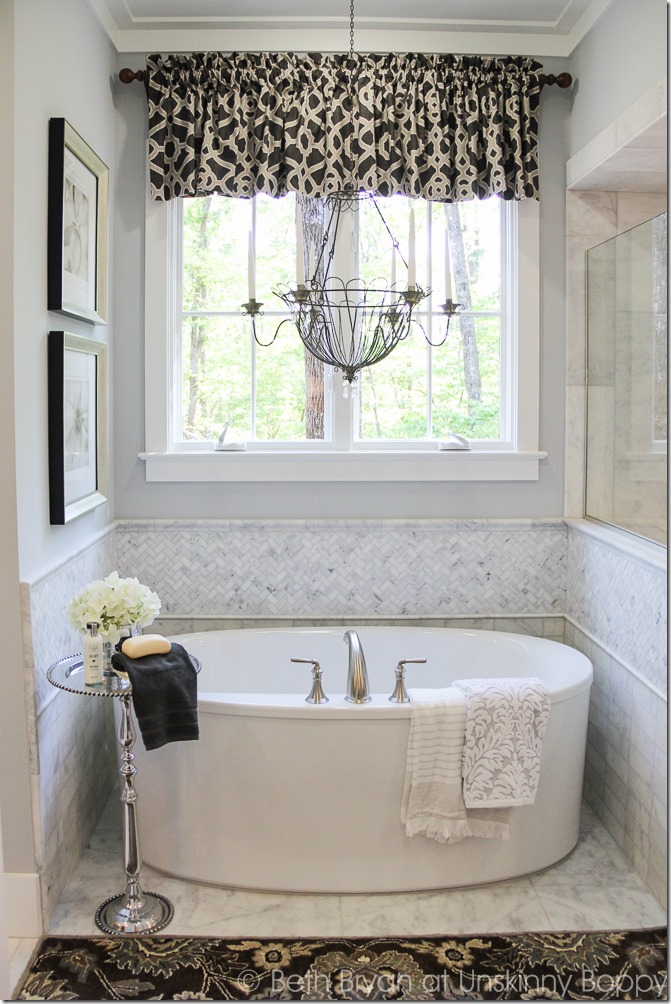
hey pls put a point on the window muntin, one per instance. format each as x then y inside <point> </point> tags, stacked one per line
<point>429,390</point>
<point>272,396</point>
<point>224,379</point>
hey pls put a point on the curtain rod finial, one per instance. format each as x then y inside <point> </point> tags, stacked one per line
<point>562,80</point>
<point>127,76</point>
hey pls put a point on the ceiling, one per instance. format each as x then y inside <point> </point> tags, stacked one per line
<point>538,27</point>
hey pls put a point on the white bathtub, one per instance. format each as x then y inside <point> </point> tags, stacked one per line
<point>281,795</point>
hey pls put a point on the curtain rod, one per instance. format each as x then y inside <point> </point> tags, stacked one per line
<point>563,80</point>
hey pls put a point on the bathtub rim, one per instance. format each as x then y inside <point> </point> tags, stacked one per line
<point>273,705</point>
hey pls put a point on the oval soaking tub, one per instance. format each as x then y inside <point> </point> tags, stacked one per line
<point>282,795</point>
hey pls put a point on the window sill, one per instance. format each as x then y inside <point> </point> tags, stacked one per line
<point>294,465</point>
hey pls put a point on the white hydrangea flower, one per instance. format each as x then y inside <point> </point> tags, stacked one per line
<point>113,602</point>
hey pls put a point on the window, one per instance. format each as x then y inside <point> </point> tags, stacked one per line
<point>207,373</point>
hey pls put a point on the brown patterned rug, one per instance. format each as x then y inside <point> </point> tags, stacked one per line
<point>572,965</point>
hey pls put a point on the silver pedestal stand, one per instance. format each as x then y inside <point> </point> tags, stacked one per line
<point>133,911</point>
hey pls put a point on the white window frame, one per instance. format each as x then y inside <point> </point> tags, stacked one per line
<point>517,459</point>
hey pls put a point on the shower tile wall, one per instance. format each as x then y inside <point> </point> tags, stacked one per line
<point>592,217</point>
<point>72,741</point>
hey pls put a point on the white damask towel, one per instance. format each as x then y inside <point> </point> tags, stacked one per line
<point>505,725</point>
<point>432,803</point>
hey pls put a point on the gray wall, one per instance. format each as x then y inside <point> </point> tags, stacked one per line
<point>58,64</point>
<point>135,498</point>
<point>623,55</point>
<point>14,780</point>
<point>64,68</point>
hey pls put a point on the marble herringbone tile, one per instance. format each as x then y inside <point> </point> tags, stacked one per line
<point>385,569</point>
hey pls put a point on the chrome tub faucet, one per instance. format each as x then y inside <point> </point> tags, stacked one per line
<point>358,691</point>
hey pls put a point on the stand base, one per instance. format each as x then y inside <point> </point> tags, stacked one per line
<point>119,916</point>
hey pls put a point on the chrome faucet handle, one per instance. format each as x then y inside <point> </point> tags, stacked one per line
<point>400,695</point>
<point>316,695</point>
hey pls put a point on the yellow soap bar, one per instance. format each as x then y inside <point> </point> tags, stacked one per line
<point>145,644</point>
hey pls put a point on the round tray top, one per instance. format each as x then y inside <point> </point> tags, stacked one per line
<point>68,674</point>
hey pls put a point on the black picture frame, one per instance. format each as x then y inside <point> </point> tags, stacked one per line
<point>78,208</point>
<point>77,414</point>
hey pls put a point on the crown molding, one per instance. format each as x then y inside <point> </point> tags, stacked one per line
<point>332,40</point>
<point>330,34</point>
<point>585,23</point>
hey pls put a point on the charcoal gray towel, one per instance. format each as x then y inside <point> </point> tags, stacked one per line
<point>165,697</point>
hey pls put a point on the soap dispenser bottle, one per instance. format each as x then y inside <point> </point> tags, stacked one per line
<point>92,651</point>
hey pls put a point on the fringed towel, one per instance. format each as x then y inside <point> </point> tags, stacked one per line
<point>505,725</point>
<point>432,803</point>
<point>164,694</point>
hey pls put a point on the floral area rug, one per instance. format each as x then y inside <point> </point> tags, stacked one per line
<point>574,965</point>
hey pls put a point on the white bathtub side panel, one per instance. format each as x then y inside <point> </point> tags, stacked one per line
<point>308,806</point>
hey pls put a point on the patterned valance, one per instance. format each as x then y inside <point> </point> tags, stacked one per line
<point>446,128</point>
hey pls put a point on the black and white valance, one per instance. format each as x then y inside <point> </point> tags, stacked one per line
<point>446,128</point>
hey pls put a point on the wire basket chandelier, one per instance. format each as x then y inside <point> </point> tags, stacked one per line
<point>349,325</point>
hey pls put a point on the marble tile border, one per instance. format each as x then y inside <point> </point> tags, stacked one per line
<point>551,627</point>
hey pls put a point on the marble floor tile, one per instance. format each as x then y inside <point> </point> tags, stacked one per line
<point>594,887</point>
<point>204,910</point>
<point>503,906</point>
<point>581,907</point>
<point>589,862</point>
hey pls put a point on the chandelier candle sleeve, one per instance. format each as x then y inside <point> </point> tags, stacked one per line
<point>448,269</point>
<point>411,251</point>
<point>251,267</point>
<point>393,267</point>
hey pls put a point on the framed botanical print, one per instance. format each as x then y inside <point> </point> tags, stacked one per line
<point>77,386</point>
<point>77,226</point>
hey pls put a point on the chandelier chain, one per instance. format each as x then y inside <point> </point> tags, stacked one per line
<point>351,28</point>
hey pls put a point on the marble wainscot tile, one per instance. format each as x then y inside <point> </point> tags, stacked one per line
<point>607,577</point>
<point>435,568</point>
<point>537,627</point>
<point>625,781</point>
<point>68,735</point>
<point>51,636</point>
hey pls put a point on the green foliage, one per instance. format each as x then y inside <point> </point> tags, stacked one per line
<point>417,392</point>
